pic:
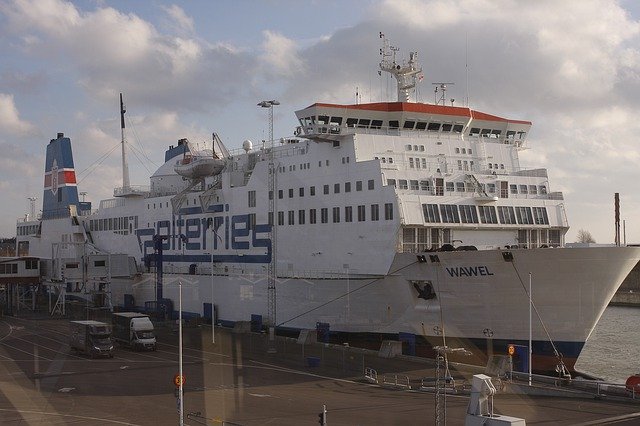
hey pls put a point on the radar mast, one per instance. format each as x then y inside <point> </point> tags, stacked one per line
<point>405,74</point>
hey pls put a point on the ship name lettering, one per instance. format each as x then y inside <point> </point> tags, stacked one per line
<point>469,271</point>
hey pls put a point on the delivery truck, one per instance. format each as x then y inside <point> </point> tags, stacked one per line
<point>92,338</point>
<point>134,330</point>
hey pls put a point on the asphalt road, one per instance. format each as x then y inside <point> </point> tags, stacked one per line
<point>236,381</point>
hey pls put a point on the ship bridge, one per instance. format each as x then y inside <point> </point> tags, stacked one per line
<point>328,122</point>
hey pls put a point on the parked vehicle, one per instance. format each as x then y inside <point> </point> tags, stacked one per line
<point>134,330</point>
<point>92,338</point>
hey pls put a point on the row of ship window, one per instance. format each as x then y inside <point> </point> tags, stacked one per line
<point>426,185</point>
<point>307,166</point>
<point>367,123</point>
<point>337,215</point>
<point>27,230</point>
<point>467,213</point>
<point>417,163</point>
<point>326,189</point>
<point>126,223</point>
<point>433,126</point>
<point>12,268</point>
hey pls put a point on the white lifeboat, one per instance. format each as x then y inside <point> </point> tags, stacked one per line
<point>196,166</point>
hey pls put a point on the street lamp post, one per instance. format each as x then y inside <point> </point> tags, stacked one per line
<point>272,269</point>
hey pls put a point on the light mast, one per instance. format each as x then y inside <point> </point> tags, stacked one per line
<point>125,167</point>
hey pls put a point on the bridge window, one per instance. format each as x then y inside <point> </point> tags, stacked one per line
<point>393,124</point>
<point>409,125</point>
<point>252,198</point>
<point>291,215</point>
<point>433,127</point>
<point>364,122</point>
<point>413,185</point>
<point>376,124</point>
<point>421,125</point>
<point>351,122</point>
<point>447,127</point>
<point>457,128</point>
<point>371,184</point>
<point>474,131</point>
<point>312,216</point>
<point>403,184</point>
<point>323,119</point>
<point>391,182</point>
<point>336,121</point>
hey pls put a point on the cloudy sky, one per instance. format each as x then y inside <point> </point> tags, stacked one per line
<point>187,69</point>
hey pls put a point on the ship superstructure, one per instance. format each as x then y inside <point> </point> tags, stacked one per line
<point>393,219</point>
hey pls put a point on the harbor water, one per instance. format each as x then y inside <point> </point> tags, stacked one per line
<point>610,353</point>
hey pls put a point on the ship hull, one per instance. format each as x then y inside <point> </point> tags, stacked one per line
<point>477,300</point>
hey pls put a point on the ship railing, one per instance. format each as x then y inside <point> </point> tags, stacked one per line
<point>248,273</point>
<point>130,190</point>
<point>263,152</point>
<point>397,380</point>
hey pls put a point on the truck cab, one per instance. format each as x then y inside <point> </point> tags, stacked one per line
<point>92,338</point>
<point>134,330</point>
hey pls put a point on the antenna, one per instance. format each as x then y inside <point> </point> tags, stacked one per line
<point>83,193</point>
<point>443,90</point>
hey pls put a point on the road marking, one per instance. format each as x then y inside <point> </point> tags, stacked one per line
<point>70,416</point>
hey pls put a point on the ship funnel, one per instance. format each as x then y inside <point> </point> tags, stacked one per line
<point>60,189</point>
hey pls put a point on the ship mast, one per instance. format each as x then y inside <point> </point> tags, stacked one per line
<point>125,167</point>
<point>405,74</point>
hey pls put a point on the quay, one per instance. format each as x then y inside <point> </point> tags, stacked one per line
<point>241,380</point>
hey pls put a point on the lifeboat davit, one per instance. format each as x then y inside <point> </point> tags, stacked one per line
<point>196,167</point>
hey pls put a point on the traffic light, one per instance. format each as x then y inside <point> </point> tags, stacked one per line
<point>322,418</point>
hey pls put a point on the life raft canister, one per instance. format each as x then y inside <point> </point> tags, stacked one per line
<point>633,383</point>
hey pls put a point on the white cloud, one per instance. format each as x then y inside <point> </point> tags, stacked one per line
<point>10,121</point>
<point>280,57</point>
<point>181,22</point>
<point>112,51</point>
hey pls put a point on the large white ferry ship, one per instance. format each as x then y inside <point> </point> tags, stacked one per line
<point>391,220</point>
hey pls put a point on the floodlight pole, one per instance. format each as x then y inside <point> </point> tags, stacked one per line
<point>272,268</point>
